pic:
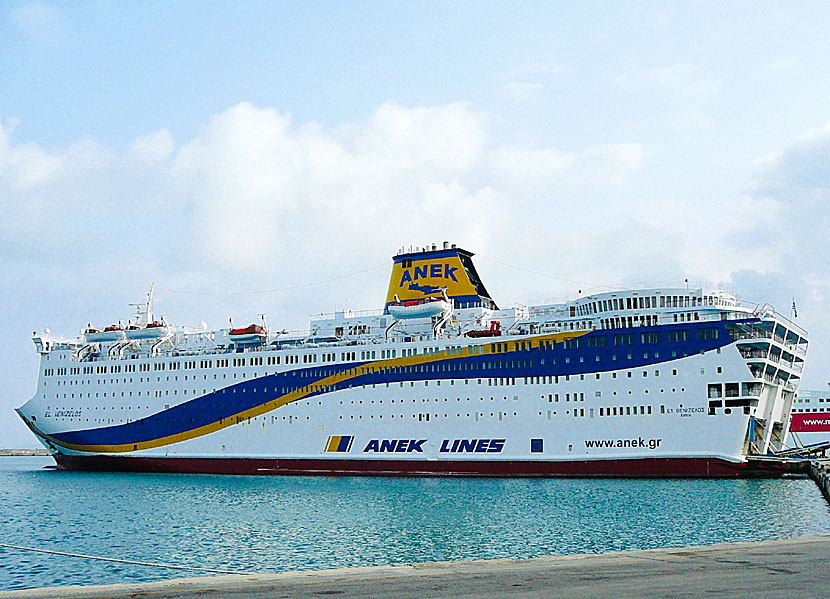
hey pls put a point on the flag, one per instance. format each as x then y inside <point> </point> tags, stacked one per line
<point>795,312</point>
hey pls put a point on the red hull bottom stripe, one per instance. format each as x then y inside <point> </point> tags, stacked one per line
<point>632,468</point>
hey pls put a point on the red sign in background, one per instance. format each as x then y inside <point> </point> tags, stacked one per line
<point>816,422</point>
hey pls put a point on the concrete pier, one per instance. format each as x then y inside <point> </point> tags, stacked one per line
<point>19,453</point>
<point>820,473</point>
<point>785,568</point>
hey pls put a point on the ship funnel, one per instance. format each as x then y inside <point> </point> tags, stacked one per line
<point>426,273</point>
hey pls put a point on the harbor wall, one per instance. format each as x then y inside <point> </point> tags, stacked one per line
<point>27,452</point>
<point>820,473</point>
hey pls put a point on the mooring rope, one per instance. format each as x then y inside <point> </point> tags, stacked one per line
<point>120,561</point>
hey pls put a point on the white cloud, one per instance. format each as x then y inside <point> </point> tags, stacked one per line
<point>38,187</point>
<point>523,91</point>
<point>527,84</point>
<point>154,147</point>
<point>444,138</point>
<point>263,190</point>
<point>678,94</point>
<point>256,201</point>
<point>22,166</point>
<point>42,23</point>
<point>549,166</point>
<point>681,79</point>
<point>783,64</point>
<point>798,176</point>
<point>790,203</point>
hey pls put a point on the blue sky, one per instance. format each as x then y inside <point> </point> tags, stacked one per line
<point>228,147</point>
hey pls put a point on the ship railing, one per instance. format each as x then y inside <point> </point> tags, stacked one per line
<point>664,317</point>
<point>664,288</point>
<point>346,314</point>
<point>768,310</point>
<point>773,359</point>
<point>798,350</point>
<point>748,335</point>
<point>275,345</point>
<point>761,354</point>
<point>734,311</point>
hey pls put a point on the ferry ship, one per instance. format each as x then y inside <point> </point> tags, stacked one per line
<point>441,381</point>
<point>810,419</point>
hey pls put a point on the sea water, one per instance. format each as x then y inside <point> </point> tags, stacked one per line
<point>275,523</point>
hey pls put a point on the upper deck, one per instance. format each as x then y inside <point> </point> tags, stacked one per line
<point>446,279</point>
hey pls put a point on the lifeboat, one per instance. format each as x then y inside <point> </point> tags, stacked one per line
<point>250,334</point>
<point>111,333</point>
<point>493,331</point>
<point>419,308</point>
<point>153,330</point>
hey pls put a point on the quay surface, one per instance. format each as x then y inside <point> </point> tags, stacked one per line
<point>782,568</point>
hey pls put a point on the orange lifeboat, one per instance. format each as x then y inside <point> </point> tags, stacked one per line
<point>249,334</point>
<point>493,331</point>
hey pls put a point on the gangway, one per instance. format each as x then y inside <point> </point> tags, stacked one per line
<point>813,450</point>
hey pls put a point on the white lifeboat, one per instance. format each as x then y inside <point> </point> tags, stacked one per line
<point>153,330</point>
<point>111,333</point>
<point>419,308</point>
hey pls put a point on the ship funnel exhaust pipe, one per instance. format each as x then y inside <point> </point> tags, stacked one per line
<point>435,273</point>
